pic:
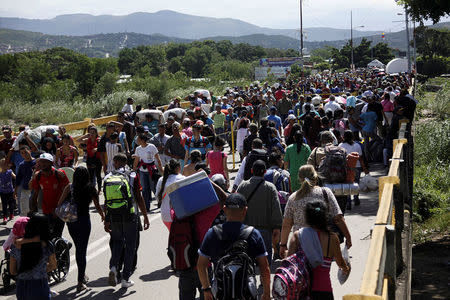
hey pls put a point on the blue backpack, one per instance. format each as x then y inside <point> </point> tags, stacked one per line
<point>280,178</point>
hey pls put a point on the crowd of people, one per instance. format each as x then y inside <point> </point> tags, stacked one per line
<point>283,134</point>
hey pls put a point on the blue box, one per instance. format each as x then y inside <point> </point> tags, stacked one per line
<point>192,195</point>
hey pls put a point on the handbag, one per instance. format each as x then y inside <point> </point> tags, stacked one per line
<point>68,210</point>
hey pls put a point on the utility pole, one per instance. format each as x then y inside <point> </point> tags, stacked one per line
<point>351,39</point>
<point>414,46</point>
<point>408,53</point>
<point>301,30</point>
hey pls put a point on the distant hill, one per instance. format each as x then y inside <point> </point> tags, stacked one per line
<point>101,45</point>
<point>165,22</point>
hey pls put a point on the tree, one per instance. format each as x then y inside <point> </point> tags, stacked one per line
<point>427,10</point>
<point>196,60</point>
<point>382,52</point>
<point>431,42</point>
<point>31,74</point>
<point>127,57</point>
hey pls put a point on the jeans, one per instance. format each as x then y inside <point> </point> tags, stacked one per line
<point>267,238</point>
<point>7,203</point>
<point>23,201</point>
<point>220,131</point>
<point>123,235</point>
<point>80,231</point>
<point>95,174</point>
<point>367,136</point>
<point>188,283</point>
<point>148,186</point>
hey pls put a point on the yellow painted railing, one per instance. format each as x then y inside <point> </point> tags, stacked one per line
<point>378,281</point>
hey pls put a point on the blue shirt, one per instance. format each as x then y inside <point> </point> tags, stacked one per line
<point>6,184</point>
<point>16,158</point>
<point>214,248</point>
<point>24,174</point>
<point>276,119</point>
<point>370,120</point>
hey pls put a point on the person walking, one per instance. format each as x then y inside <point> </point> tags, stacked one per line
<point>216,160</point>
<point>51,182</point>
<point>264,210</point>
<point>296,156</point>
<point>171,175</point>
<point>294,217</point>
<point>322,243</point>
<point>82,193</point>
<point>6,190</point>
<point>22,190</point>
<point>121,219</point>
<point>147,162</point>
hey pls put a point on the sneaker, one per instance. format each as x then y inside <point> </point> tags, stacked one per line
<point>127,284</point>
<point>112,277</point>
<point>85,279</point>
<point>11,216</point>
<point>5,220</point>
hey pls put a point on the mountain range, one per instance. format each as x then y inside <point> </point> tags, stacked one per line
<point>168,23</point>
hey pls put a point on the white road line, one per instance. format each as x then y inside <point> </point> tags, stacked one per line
<point>99,251</point>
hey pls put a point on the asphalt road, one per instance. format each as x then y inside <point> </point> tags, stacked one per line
<point>153,277</point>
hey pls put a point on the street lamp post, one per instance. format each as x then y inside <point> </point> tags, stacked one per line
<point>352,65</point>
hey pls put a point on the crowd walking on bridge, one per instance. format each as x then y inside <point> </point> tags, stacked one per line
<point>296,140</point>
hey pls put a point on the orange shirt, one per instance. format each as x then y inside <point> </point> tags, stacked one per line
<point>52,189</point>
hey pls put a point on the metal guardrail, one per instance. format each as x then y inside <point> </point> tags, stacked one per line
<point>385,257</point>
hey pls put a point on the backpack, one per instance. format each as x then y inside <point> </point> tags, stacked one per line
<point>118,196</point>
<point>183,246</point>
<point>333,168</point>
<point>292,279</point>
<point>281,181</point>
<point>253,156</point>
<point>235,272</point>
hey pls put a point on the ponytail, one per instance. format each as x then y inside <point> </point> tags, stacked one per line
<point>169,169</point>
<point>298,137</point>
<point>308,179</point>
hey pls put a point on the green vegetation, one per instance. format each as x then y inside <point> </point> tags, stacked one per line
<point>60,85</point>
<point>432,163</point>
<point>362,54</point>
<point>434,47</point>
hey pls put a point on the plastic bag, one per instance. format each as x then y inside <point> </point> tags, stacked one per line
<point>342,277</point>
<point>67,211</point>
<point>368,184</point>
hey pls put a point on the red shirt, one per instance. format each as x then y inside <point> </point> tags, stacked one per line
<point>279,94</point>
<point>52,189</point>
<point>90,146</point>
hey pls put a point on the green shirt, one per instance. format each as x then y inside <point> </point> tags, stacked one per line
<point>296,160</point>
<point>219,120</point>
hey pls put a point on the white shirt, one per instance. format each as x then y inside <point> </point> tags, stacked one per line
<point>127,108</point>
<point>146,154</point>
<point>332,105</point>
<point>111,151</point>
<point>353,148</point>
<point>165,204</point>
<point>240,174</point>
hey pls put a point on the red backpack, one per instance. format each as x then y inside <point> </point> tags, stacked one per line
<point>183,244</point>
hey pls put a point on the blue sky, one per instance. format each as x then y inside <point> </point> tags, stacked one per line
<point>373,14</point>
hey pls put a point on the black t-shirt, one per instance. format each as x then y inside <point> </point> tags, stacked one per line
<point>248,142</point>
<point>83,198</point>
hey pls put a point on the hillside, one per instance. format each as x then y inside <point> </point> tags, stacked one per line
<point>165,22</point>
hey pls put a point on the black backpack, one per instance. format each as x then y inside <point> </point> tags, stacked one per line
<point>183,245</point>
<point>253,156</point>
<point>234,273</point>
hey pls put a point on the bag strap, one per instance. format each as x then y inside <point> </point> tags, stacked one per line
<point>254,191</point>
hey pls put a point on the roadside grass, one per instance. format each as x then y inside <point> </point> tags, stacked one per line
<point>432,164</point>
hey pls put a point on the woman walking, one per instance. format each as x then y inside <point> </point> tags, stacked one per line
<point>66,155</point>
<point>216,160</point>
<point>328,249</point>
<point>93,160</point>
<point>309,191</point>
<point>171,174</point>
<point>296,156</point>
<point>82,192</point>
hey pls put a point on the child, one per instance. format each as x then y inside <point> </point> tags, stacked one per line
<point>6,190</point>
<point>339,123</point>
<point>24,173</point>
<point>217,159</point>
<point>112,148</point>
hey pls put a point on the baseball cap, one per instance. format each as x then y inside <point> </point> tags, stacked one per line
<point>235,200</point>
<point>291,117</point>
<point>146,128</point>
<point>46,156</point>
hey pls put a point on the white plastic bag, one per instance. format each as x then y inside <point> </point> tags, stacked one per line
<point>368,184</point>
<point>342,277</point>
